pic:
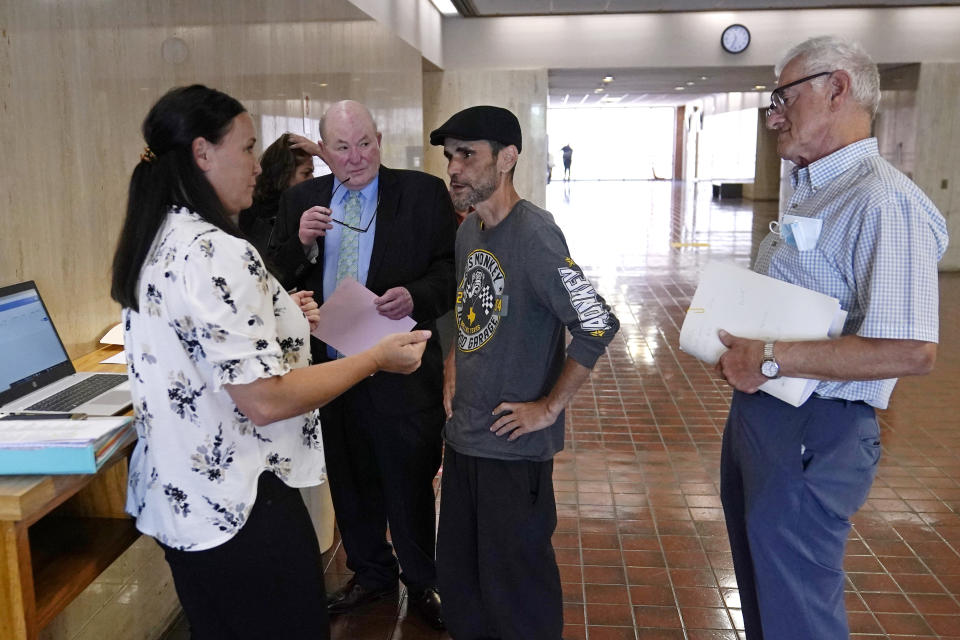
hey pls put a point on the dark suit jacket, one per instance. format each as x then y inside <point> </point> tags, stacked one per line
<point>412,248</point>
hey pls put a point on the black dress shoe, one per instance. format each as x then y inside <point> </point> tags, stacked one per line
<point>354,594</point>
<point>427,605</point>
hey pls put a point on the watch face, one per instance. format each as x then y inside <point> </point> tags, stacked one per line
<point>735,38</point>
<point>770,368</point>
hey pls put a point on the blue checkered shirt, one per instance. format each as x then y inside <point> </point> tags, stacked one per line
<point>877,253</point>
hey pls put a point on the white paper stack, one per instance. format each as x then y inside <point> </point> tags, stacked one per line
<point>751,305</point>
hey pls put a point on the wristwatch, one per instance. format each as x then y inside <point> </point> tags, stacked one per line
<point>769,367</point>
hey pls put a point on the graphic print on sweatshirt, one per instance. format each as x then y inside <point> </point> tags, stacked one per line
<point>591,311</point>
<point>479,300</point>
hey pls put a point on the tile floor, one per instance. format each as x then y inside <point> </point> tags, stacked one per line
<point>641,543</point>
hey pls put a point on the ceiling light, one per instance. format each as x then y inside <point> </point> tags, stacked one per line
<point>608,78</point>
<point>598,90</point>
<point>704,78</point>
<point>690,83</point>
<point>759,87</point>
<point>445,7</point>
<point>679,88</point>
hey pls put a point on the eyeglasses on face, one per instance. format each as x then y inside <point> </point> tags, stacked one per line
<point>344,224</point>
<point>777,101</point>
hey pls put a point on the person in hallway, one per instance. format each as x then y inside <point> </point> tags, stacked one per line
<point>283,164</point>
<point>506,383</point>
<point>224,400</point>
<point>394,231</point>
<point>791,478</point>
<point>567,151</point>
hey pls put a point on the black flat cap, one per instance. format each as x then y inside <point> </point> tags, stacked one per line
<point>480,123</point>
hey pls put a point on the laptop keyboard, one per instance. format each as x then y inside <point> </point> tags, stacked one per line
<point>75,395</point>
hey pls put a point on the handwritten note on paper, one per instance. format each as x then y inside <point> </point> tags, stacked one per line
<point>350,322</point>
<point>751,305</point>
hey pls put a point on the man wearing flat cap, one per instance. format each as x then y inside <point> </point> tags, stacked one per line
<point>506,382</point>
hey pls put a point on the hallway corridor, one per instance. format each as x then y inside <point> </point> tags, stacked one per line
<point>641,543</point>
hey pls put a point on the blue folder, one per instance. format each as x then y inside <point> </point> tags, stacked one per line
<point>65,458</point>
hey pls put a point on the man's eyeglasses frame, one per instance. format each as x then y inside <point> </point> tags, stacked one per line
<point>778,103</point>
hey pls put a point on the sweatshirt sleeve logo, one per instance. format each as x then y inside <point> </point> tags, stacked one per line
<point>592,313</point>
<point>479,300</point>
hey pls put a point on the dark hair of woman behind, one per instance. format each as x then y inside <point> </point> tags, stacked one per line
<point>170,177</point>
<point>279,162</point>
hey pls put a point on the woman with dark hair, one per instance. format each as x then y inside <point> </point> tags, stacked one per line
<point>284,163</point>
<point>224,399</point>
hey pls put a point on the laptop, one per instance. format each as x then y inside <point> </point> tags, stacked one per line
<point>36,375</point>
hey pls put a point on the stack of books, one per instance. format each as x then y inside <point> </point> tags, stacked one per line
<point>45,445</point>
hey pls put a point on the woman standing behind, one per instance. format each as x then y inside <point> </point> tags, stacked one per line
<point>224,399</point>
<point>284,163</point>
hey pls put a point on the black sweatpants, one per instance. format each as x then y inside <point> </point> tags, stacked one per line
<point>265,582</point>
<point>495,563</point>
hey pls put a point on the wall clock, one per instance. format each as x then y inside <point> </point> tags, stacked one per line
<point>735,38</point>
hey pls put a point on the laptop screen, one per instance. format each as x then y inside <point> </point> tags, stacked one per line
<point>31,354</point>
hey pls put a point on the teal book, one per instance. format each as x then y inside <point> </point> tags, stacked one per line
<point>59,446</point>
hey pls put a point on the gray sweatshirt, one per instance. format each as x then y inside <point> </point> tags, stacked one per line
<point>518,292</point>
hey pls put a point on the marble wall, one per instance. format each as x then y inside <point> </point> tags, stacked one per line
<point>896,123</point>
<point>76,80</point>
<point>918,111</point>
<point>524,92</point>
<point>766,177</point>
<point>937,168</point>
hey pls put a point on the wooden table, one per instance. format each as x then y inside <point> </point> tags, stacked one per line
<point>59,532</point>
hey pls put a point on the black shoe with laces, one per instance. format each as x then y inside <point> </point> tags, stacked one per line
<point>427,606</point>
<point>353,594</point>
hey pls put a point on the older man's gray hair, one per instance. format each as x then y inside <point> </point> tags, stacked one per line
<point>830,53</point>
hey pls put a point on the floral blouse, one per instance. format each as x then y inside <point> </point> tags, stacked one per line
<point>210,314</point>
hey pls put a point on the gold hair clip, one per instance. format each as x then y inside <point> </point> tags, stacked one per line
<point>147,155</point>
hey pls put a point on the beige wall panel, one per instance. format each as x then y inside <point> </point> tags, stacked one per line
<point>691,38</point>
<point>416,21</point>
<point>938,139</point>
<point>523,92</point>
<point>78,78</point>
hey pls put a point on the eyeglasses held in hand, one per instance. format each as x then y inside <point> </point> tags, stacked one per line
<point>344,224</point>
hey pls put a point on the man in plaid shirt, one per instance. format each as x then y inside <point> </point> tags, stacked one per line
<point>859,230</point>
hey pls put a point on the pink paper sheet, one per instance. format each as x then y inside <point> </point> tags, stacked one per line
<point>350,323</point>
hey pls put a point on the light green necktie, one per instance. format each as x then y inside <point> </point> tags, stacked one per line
<point>349,239</point>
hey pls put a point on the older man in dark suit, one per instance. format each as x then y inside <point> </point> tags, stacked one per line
<point>394,231</point>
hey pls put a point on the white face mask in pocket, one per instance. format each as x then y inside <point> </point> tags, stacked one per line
<point>799,232</point>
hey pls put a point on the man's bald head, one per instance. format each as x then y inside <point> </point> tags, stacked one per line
<point>346,109</point>
<point>350,143</point>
